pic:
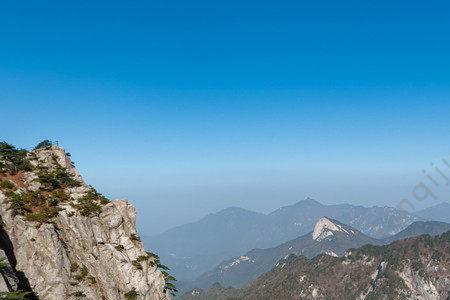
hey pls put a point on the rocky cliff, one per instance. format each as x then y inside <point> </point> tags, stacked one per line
<point>61,239</point>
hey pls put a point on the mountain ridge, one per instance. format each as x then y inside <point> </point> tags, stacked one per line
<point>439,212</point>
<point>197,247</point>
<point>413,268</point>
<point>328,237</point>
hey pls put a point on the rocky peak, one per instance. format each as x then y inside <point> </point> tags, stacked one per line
<point>62,239</point>
<point>52,157</point>
<point>326,227</point>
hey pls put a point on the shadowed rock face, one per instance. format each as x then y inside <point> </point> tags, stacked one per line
<point>73,254</point>
<point>11,279</point>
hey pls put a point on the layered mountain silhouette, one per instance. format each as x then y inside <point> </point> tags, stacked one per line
<point>414,268</point>
<point>328,237</point>
<point>195,248</point>
<point>440,212</point>
<point>432,228</point>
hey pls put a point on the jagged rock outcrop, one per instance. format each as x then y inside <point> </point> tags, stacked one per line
<point>76,244</point>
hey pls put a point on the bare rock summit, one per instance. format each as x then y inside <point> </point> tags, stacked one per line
<point>61,239</point>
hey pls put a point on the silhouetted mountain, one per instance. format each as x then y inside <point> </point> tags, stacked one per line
<point>195,248</point>
<point>415,268</point>
<point>440,212</point>
<point>432,228</point>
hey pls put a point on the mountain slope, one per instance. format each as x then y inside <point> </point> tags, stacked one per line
<point>195,248</point>
<point>63,240</point>
<point>415,268</point>
<point>377,222</point>
<point>440,212</point>
<point>328,236</point>
<point>432,228</point>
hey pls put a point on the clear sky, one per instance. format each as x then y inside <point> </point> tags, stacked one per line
<point>187,107</point>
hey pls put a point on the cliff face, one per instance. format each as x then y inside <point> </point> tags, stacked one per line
<point>63,240</point>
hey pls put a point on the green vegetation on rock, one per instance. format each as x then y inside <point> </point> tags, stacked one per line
<point>87,205</point>
<point>45,144</point>
<point>154,261</point>
<point>131,295</point>
<point>120,248</point>
<point>137,264</point>
<point>6,185</point>
<point>54,179</point>
<point>83,272</point>
<point>16,295</point>
<point>13,160</point>
<point>135,238</point>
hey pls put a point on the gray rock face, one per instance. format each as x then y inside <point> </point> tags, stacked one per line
<point>82,256</point>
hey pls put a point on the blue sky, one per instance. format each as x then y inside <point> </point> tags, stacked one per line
<point>186,107</point>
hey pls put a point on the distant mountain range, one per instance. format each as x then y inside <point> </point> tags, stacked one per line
<point>414,268</point>
<point>418,228</point>
<point>195,248</point>
<point>329,237</point>
<point>440,212</point>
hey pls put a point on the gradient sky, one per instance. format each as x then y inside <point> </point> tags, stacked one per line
<point>187,107</point>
